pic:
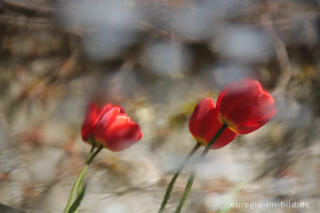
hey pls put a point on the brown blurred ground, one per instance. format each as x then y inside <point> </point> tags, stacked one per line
<point>156,59</point>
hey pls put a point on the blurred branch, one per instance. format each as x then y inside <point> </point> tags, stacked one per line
<point>27,9</point>
<point>131,189</point>
<point>34,23</point>
<point>281,54</point>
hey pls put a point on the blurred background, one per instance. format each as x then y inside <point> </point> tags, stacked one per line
<point>156,58</point>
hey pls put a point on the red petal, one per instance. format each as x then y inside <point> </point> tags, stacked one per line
<point>105,108</point>
<point>226,136</point>
<point>105,121</point>
<point>204,124</point>
<point>224,139</point>
<point>89,121</point>
<point>200,120</point>
<point>122,133</point>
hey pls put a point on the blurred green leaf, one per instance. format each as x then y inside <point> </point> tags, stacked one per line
<point>77,201</point>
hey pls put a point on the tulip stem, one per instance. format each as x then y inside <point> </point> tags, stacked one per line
<point>193,174</point>
<point>174,178</point>
<point>78,183</point>
<point>92,148</point>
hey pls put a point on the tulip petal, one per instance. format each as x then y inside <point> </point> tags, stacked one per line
<point>226,136</point>
<point>201,117</point>
<point>122,133</point>
<point>103,124</point>
<point>89,121</point>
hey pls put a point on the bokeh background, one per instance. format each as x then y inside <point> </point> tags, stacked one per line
<point>156,58</point>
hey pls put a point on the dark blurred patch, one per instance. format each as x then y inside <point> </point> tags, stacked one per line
<point>7,209</point>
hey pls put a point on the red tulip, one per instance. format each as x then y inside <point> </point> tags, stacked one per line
<point>116,131</point>
<point>204,124</point>
<point>245,106</point>
<point>92,117</point>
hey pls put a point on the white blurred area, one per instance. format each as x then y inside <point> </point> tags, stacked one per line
<point>226,72</point>
<point>244,44</point>
<point>167,59</point>
<point>109,26</point>
<point>203,19</point>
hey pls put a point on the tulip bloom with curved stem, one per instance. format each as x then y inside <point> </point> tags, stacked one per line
<point>108,127</point>
<point>203,125</point>
<point>242,106</point>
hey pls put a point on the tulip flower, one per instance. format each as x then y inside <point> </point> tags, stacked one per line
<point>93,115</point>
<point>116,131</point>
<point>108,127</point>
<point>245,106</point>
<point>204,125</point>
<point>208,131</point>
<point>242,107</point>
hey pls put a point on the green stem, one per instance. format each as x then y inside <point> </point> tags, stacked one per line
<point>78,182</point>
<point>174,178</point>
<point>92,148</point>
<point>233,194</point>
<point>92,155</point>
<point>193,174</point>
<point>186,192</point>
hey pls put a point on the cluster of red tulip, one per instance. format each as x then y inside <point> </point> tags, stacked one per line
<point>242,107</point>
